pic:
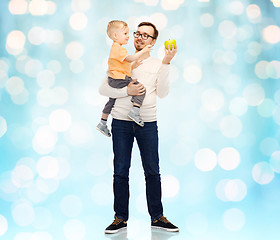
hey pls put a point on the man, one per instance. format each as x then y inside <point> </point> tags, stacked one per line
<point>154,75</point>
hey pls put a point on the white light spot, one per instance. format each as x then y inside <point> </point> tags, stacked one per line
<point>60,96</point>
<point>44,140</point>
<point>78,21</point>
<point>46,79</point>
<point>18,7</point>
<point>47,186</point>
<point>51,7</point>
<point>3,78</point>
<point>271,34</point>
<point>3,126</point>
<point>81,5</point>
<point>228,158</point>
<point>38,7</point>
<point>236,7</point>
<point>227,29</point>
<point>170,186</point>
<point>23,214</point>
<point>14,85</point>
<point>262,173</point>
<point>151,2</point>
<point>22,176</point>
<point>64,168</point>
<point>234,219</point>
<point>231,126</point>
<point>266,108</point>
<point>71,205</point>
<point>171,4</point>
<point>159,20</point>
<point>74,50</point>
<point>205,159</point>
<point>220,190</point>
<point>60,120</point>
<point>54,66</point>
<point>3,225</point>
<point>212,99</point>
<point>77,66</point>
<point>20,98</point>
<point>254,13</point>
<point>254,94</point>
<point>275,161</point>
<point>79,133</point>
<point>193,73</point>
<point>36,35</point>
<point>238,106</point>
<point>74,229</point>
<point>45,97</point>
<point>23,236</point>
<point>47,167</point>
<point>207,20</point>
<point>33,67</point>
<point>235,190</point>
<point>15,42</point>
<point>260,69</point>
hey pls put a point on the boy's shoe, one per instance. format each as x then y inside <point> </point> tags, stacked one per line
<point>116,226</point>
<point>163,223</point>
<point>103,129</point>
<point>136,118</point>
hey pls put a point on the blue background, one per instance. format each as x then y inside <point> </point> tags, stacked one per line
<point>218,127</point>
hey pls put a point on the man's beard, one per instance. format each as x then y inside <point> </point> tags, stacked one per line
<point>139,46</point>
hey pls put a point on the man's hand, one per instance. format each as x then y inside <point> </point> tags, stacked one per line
<point>169,54</point>
<point>135,89</point>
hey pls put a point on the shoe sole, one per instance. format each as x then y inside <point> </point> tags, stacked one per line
<point>103,132</point>
<point>167,229</point>
<point>115,231</point>
<point>141,125</point>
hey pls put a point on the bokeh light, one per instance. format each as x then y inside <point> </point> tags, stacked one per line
<point>218,127</point>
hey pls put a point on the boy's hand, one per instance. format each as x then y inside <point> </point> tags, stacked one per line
<point>148,48</point>
<point>137,63</point>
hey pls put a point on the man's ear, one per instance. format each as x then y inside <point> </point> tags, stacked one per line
<point>153,42</point>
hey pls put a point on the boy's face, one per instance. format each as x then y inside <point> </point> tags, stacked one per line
<point>122,35</point>
<point>139,42</point>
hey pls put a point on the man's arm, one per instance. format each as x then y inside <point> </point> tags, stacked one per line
<point>163,77</point>
<point>131,90</point>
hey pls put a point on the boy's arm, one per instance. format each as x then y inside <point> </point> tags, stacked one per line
<point>132,58</point>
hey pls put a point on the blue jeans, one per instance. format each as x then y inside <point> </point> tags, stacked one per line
<point>123,134</point>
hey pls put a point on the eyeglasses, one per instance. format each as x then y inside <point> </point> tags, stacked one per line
<point>144,36</point>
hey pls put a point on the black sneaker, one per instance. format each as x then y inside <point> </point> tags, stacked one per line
<point>116,226</point>
<point>163,223</point>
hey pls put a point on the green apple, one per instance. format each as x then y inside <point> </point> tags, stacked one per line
<point>169,43</point>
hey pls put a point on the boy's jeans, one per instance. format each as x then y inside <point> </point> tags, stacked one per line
<point>123,133</point>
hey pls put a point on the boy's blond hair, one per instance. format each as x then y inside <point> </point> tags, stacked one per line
<point>113,25</point>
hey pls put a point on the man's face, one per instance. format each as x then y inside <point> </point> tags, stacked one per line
<point>140,43</point>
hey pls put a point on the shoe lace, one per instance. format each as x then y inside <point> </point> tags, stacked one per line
<point>163,219</point>
<point>117,221</point>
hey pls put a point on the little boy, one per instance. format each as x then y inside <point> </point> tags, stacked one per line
<point>119,74</point>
